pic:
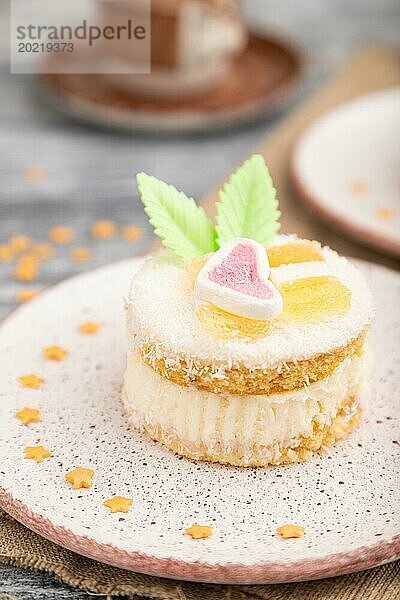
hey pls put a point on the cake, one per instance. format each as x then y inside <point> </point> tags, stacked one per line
<point>245,347</point>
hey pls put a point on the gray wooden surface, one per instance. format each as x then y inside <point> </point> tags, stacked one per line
<point>91,173</point>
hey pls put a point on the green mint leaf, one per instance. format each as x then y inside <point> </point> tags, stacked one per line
<point>182,225</point>
<point>247,204</point>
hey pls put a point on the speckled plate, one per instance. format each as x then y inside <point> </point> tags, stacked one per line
<point>346,167</point>
<point>347,500</point>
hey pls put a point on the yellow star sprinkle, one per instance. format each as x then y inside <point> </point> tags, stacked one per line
<point>80,478</point>
<point>28,415</point>
<point>54,353</point>
<point>118,504</point>
<point>27,268</point>
<point>6,253</point>
<point>60,234</point>
<point>88,328</point>
<point>81,254</point>
<point>20,243</point>
<point>35,173</point>
<point>358,188</point>
<point>26,295</point>
<point>199,532</point>
<point>42,251</point>
<point>31,381</point>
<point>132,233</point>
<point>103,230</point>
<point>385,213</point>
<point>290,531</point>
<point>38,453</point>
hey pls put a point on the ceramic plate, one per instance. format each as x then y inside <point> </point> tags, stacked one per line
<point>347,499</point>
<point>346,166</point>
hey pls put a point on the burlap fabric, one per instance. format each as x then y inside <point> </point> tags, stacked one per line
<point>371,69</point>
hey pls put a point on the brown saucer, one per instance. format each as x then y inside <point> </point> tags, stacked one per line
<point>260,80</point>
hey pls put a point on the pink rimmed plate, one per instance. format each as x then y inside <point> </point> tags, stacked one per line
<point>347,500</point>
<point>346,168</point>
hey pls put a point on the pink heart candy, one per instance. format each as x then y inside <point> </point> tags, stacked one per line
<point>235,279</point>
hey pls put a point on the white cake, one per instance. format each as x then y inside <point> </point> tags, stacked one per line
<point>214,386</point>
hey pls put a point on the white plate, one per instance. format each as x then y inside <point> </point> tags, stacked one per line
<point>347,167</point>
<point>348,499</point>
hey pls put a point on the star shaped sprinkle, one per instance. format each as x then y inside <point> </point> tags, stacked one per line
<point>28,415</point>
<point>27,268</point>
<point>131,233</point>
<point>103,230</point>
<point>88,328</point>
<point>54,353</point>
<point>81,254</point>
<point>38,453</point>
<point>385,213</point>
<point>358,187</point>
<point>60,234</point>
<point>35,173</point>
<point>290,531</point>
<point>20,243</point>
<point>118,504</point>
<point>198,532</point>
<point>6,253</point>
<point>25,295</point>
<point>80,478</point>
<point>31,381</point>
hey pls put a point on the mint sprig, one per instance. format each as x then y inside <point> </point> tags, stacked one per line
<point>247,204</point>
<point>247,207</point>
<point>182,225</point>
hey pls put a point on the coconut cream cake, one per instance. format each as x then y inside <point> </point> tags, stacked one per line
<point>244,347</point>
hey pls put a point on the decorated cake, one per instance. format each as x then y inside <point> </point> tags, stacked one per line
<point>245,347</point>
